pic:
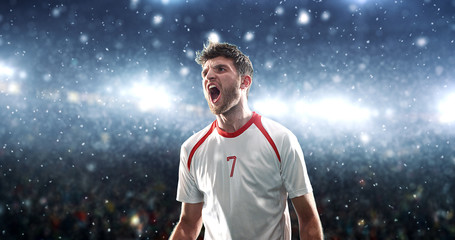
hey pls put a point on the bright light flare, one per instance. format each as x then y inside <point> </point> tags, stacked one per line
<point>150,97</point>
<point>365,138</point>
<point>6,71</point>
<point>271,107</point>
<point>157,19</point>
<point>304,18</point>
<point>447,109</point>
<point>213,37</point>
<point>14,88</point>
<point>73,97</point>
<point>334,110</point>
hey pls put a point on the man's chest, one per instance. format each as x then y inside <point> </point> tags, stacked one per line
<point>238,165</point>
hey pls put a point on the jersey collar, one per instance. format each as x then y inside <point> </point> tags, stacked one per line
<point>252,120</point>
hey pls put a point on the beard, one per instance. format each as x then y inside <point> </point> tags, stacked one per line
<point>230,97</point>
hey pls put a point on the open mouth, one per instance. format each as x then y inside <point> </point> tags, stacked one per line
<point>214,93</point>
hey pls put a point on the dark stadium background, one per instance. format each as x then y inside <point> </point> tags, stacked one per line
<point>96,98</point>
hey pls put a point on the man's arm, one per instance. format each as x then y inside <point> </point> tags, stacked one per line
<point>309,223</point>
<point>190,222</point>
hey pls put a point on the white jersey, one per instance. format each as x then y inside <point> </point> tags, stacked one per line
<point>244,179</point>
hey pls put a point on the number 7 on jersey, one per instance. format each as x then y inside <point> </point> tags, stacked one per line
<point>234,158</point>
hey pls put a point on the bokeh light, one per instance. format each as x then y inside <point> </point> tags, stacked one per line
<point>447,109</point>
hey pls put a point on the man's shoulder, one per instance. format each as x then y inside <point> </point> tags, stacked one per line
<point>275,128</point>
<point>193,140</point>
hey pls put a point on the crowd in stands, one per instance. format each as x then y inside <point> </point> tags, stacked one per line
<point>359,195</point>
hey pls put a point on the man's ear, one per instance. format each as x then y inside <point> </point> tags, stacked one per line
<point>246,82</point>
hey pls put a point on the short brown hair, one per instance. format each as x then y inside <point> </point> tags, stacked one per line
<point>242,63</point>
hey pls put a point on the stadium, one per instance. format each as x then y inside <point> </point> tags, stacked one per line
<point>96,99</point>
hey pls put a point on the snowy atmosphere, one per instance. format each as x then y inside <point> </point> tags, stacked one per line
<point>96,98</point>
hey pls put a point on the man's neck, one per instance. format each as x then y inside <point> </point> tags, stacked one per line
<point>234,119</point>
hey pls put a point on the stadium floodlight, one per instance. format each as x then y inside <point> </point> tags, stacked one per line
<point>271,107</point>
<point>334,110</point>
<point>446,109</point>
<point>14,88</point>
<point>360,2</point>
<point>150,97</point>
<point>6,71</point>
<point>365,138</point>
<point>73,97</point>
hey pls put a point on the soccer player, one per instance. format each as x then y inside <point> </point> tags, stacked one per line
<point>236,174</point>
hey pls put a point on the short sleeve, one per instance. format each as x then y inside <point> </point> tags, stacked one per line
<point>293,169</point>
<point>187,190</point>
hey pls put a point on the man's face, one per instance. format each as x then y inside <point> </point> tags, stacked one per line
<point>221,84</point>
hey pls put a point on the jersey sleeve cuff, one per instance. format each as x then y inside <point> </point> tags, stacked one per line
<point>300,192</point>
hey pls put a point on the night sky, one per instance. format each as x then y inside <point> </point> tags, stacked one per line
<point>364,82</point>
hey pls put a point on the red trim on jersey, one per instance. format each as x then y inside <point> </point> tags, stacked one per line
<point>199,143</point>
<point>256,119</point>
<point>237,133</point>
<point>267,136</point>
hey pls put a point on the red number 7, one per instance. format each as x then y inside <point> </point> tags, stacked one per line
<point>233,163</point>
